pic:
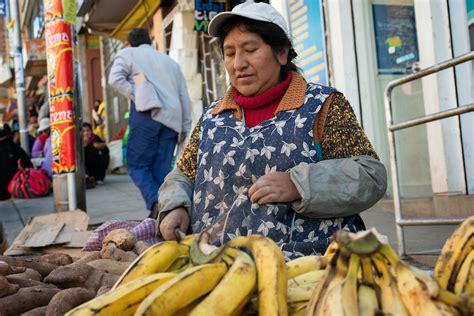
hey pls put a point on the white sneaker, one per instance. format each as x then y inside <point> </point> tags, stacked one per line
<point>100,182</point>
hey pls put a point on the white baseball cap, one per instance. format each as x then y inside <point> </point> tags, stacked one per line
<point>255,11</point>
<point>44,124</point>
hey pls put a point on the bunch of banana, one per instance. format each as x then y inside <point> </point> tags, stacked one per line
<point>366,277</point>
<point>454,269</point>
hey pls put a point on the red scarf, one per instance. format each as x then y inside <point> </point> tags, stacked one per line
<point>262,107</point>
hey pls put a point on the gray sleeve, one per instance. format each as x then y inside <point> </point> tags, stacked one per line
<point>176,191</point>
<point>119,77</point>
<point>185,105</point>
<point>338,187</point>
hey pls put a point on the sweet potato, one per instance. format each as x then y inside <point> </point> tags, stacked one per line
<point>110,266</point>
<point>80,275</point>
<point>38,311</point>
<point>13,279</point>
<point>29,274</point>
<point>67,299</point>
<point>88,256</point>
<point>6,288</point>
<point>6,269</point>
<point>26,299</point>
<point>102,290</point>
<point>43,268</point>
<point>112,252</point>
<point>121,237</point>
<point>141,246</point>
<point>58,259</point>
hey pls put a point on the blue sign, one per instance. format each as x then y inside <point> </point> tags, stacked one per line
<point>395,38</point>
<point>307,30</point>
<point>3,8</point>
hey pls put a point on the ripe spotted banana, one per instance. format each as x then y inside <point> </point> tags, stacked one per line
<point>305,264</point>
<point>367,293</point>
<point>462,240</point>
<point>182,290</point>
<point>300,293</point>
<point>342,298</point>
<point>465,278</point>
<point>271,273</point>
<point>125,299</point>
<point>157,258</point>
<point>234,290</point>
<point>307,278</point>
<point>178,264</point>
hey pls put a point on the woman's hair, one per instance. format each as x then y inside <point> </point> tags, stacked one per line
<point>270,33</point>
<point>138,36</point>
<point>85,124</point>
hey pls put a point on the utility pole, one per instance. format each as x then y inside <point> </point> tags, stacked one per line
<point>19,76</point>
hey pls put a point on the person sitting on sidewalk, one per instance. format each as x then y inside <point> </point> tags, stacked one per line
<point>10,153</point>
<point>44,130</point>
<point>96,155</point>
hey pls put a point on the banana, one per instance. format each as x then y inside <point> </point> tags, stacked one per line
<point>178,264</point>
<point>234,290</point>
<point>462,240</point>
<point>331,249</point>
<point>390,298</point>
<point>182,290</point>
<point>125,299</point>
<point>297,309</point>
<point>465,278</point>
<point>341,299</point>
<point>306,278</point>
<point>157,258</point>
<point>271,273</point>
<point>367,294</point>
<point>300,293</point>
<point>305,264</point>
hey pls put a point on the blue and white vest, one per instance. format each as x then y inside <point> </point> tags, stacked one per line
<point>232,157</point>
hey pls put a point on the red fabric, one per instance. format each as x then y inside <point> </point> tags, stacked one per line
<point>42,138</point>
<point>262,107</point>
<point>28,183</point>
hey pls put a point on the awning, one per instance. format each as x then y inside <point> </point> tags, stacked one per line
<point>136,17</point>
<point>117,17</point>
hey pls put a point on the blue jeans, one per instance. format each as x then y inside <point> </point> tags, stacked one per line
<point>150,149</point>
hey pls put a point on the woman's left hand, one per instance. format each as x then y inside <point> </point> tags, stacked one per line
<point>274,187</point>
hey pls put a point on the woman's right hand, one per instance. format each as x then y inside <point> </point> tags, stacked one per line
<point>177,218</point>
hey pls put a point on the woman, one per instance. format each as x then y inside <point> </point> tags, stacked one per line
<point>40,141</point>
<point>276,156</point>
<point>98,114</point>
<point>96,155</point>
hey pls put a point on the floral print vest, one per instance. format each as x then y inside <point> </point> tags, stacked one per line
<point>232,157</point>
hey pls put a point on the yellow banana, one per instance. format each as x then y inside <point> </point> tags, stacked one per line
<point>461,241</point>
<point>342,298</point>
<point>297,308</point>
<point>306,278</point>
<point>271,273</point>
<point>125,299</point>
<point>234,290</point>
<point>367,294</point>
<point>331,249</point>
<point>157,258</point>
<point>390,298</point>
<point>300,293</point>
<point>465,278</point>
<point>182,290</point>
<point>179,263</point>
<point>305,264</point>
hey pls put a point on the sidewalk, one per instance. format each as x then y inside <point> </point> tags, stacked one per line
<point>119,199</point>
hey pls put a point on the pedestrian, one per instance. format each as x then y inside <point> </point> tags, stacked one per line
<point>160,113</point>
<point>96,155</point>
<point>98,114</point>
<point>10,153</point>
<point>43,134</point>
<point>277,156</point>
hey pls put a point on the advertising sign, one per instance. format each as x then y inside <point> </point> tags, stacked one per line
<point>204,11</point>
<point>3,8</point>
<point>306,22</point>
<point>395,38</point>
<point>59,55</point>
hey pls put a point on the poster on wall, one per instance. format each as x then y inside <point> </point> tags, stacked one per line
<point>59,56</point>
<point>395,38</point>
<point>306,23</point>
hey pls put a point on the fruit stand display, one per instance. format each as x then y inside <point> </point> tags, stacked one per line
<point>360,274</point>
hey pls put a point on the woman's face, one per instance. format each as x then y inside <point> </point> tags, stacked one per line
<point>250,62</point>
<point>86,133</point>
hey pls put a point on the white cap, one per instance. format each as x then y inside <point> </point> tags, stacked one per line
<point>255,11</point>
<point>44,124</point>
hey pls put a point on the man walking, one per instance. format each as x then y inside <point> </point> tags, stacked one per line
<point>160,114</point>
